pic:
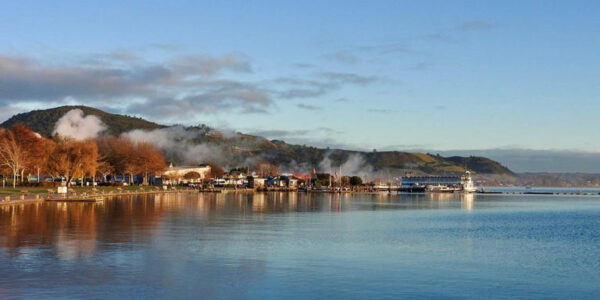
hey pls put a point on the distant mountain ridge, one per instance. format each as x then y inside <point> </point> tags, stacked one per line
<point>238,148</point>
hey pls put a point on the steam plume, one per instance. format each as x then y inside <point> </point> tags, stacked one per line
<point>354,165</point>
<point>75,125</point>
<point>182,145</point>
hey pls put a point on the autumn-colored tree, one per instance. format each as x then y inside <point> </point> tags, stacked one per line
<point>118,153</point>
<point>265,168</point>
<point>129,158</point>
<point>72,159</point>
<point>148,160</point>
<point>345,180</point>
<point>37,148</point>
<point>42,158</point>
<point>21,150</point>
<point>216,170</point>
<point>104,169</point>
<point>192,176</point>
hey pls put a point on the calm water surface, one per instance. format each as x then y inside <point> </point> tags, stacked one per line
<point>298,246</point>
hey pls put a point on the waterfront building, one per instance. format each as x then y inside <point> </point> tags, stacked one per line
<point>287,181</point>
<point>421,181</point>
<point>185,174</point>
<point>256,182</point>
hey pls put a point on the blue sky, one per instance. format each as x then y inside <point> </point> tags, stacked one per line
<point>396,75</point>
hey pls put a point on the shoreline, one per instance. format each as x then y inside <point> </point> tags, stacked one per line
<point>101,195</point>
<point>77,197</point>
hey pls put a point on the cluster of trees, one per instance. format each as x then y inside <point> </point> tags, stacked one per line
<point>120,155</point>
<point>264,169</point>
<point>323,179</point>
<point>24,152</point>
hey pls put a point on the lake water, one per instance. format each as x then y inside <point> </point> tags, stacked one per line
<point>299,246</point>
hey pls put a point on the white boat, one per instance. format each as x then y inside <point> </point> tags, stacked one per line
<point>467,183</point>
<point>440,188</point>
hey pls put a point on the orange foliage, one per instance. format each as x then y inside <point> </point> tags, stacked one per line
<point>73,159</point>
<point>129,158</point>
<point>22,150</point>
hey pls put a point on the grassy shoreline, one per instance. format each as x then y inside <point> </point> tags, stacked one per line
<point>10,191</point>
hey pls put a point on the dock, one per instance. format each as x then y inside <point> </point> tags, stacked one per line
<point>556,193</point>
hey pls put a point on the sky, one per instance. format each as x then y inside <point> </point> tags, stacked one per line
<point>385,75</point>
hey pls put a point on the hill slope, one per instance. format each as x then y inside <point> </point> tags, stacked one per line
<point>396,162</point>
<point>238,149</point>
<point>42,121</point>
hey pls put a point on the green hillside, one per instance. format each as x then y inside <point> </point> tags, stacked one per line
<point>238,149</point>
<point>395,162</point>
<point>42,121</point>
<point>481,164</point>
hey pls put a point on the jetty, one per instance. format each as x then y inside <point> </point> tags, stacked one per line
<point>542,192</point>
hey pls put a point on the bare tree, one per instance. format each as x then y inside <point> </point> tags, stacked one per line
<point>265,168</point>
<point>12,155</point>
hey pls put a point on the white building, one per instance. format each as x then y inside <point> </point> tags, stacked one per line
<point>186,174</point>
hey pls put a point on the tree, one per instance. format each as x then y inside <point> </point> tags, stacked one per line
<point>216,170</point>
<point>119,153</point>
<point>239,170</point>
<point>148,160</point>
<point>72,159</point>
<point>192,176</point>
<point>355,180</point>
<point>324,178</point>
<point>130,158</point>
<point>344,180</point>
<point>12,155</point>
<point>265,168</point>
<point>104,169</point>
<point>37,149</point>
<point>22,150</point>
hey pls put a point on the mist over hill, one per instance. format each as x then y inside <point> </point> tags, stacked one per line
<point>201,144</point>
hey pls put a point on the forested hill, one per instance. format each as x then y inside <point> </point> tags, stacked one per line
<point>239,149</point>
<point>42,121</point>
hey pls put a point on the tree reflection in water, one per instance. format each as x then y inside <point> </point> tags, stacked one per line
<point>74,229</point>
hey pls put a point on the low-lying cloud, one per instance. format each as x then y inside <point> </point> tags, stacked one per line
<point>183,145</point>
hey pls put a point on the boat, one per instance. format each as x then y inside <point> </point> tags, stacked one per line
<point>439,188</point>
<point>438,184</point>
<point>467,183</point>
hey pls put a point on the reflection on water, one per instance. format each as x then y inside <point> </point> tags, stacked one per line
<point>56,223</point>
<point>273,245</point>
<point>74,228</point>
